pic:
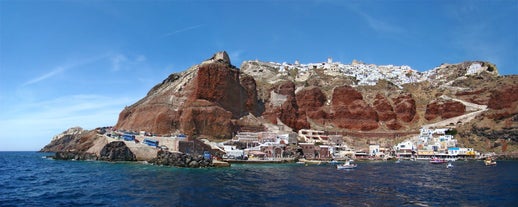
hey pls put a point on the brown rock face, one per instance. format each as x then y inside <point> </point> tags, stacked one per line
<point>205,118</point>
<point>310,98</point>
<point>345,95</point>
<point>504,98</point>
<point>200,101</point>
<point>444,110</point>
<point>220,84</point>
<point>350,111</point>
<point>405,107</point>
<point>386,112</point>
<point>383,108</point>
<point>252,104</point>
<point>288,111</point>
<point>310,102</point>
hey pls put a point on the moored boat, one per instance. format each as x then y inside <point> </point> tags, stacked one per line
<point>436,160</point>
<point>489,162</point>
<point>449,165</point>
<point>346,165</point>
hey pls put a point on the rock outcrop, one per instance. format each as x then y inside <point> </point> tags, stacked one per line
<point>350,111</point>
<point>444,109</point>
<point>201,101</point>
<point>116,151</point>
<point>167,158</point>
<point>75,140</point>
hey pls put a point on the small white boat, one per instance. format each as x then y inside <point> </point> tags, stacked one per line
<point>489,162</point>
<point>398,161</point>
<point>449,165</point>
<point>346,165</point>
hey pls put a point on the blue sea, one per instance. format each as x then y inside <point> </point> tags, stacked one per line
<point>30,179</point>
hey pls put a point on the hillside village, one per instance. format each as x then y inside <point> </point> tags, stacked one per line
<point>279,112</point>
<point>307,144</point>
<point>365,74</point>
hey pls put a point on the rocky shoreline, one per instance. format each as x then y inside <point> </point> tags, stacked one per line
<point>164,158</point>
<point>78,144</point>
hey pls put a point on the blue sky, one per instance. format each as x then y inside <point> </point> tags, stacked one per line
<point>78,63</point>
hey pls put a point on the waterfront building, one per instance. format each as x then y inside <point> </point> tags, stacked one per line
<point>313,136</point>
<point>434,143</point>
<point>308,149</point>
<point>374,150</point>
<point>405,149</point>
<point>247,137</point>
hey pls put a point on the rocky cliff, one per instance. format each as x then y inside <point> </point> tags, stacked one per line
<point>215,99</point>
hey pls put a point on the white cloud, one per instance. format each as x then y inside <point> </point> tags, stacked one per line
<point>31,125</point>
<point>140,58</point>
<point>47,75</point>
<point>61,69</point>
<point>183,30</point>
<point>235,57</point>
<point>117,61</point>
<point>121,61</point>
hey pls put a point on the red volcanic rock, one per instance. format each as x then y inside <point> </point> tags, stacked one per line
<point>319,116</point>
<point>250,86</point>
<point>506,97</point>
<point>404,107</point>
<point>151,118</point>
<point>310,102</point>
<point>310,98</point>
<point>350,111</point>
<point>206,118</point>
<point>393,124</point>
<point>285,88</point>
<point>383,108</point>
<point>444,110</point>
<point>201,101</point>
<point>345,95</point>
<point>219,83</point>
<point>288,111</point>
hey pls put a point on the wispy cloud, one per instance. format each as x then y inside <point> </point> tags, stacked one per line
<point>47,75</point>
<point>183,30</point>
<point>46,118</point>
<point>121,61</point>
<point>61,69</point>
<point>117,61</point>
<point>375,23</point>
<point>378,25</point>
<point>475,33</point>
<point>235,57</point>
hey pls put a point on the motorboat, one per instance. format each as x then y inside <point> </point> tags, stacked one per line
<point>436,160</point>
<point>346,165</point>
<point>489,162</point>
<point>449,165</point>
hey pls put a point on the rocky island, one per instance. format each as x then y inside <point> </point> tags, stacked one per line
<point>216,101</point>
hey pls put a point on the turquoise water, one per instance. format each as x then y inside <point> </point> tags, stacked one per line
<point>28,179</point>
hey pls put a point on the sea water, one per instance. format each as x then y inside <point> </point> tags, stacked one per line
<point>30,179</point>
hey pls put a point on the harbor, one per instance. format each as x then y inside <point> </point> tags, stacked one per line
<point>309,147</point>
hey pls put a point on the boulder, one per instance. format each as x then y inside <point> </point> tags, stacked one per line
<point>116,151</point>
<point>178,159</point>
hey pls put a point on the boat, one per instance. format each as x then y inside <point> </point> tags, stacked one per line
<point>346,165</point>
<point>398,161</point>
<point>449,165</point>
<point>489,162</point>
<point>334,162</point>
<point>436,160</point>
